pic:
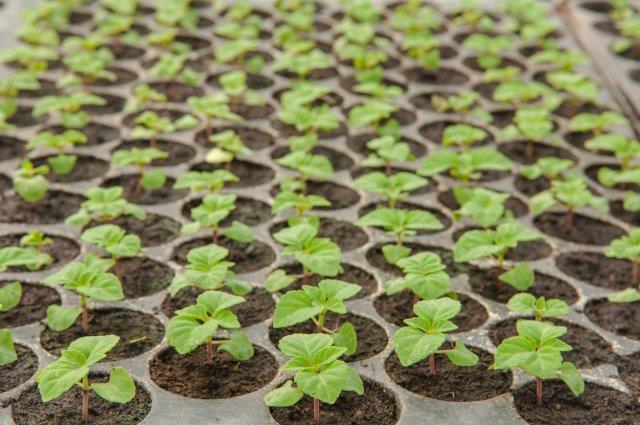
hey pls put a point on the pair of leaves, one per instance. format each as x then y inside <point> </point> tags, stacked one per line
<point>318,255</point>
<point>477,244</point>
<point>114,240</point>
<point>425,276</point>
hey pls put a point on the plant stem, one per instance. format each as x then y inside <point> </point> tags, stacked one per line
<point>635,269</point>
<point>538,392</point>
<point>568,224</point>
<point>208,129</point>
<point>209,344</point>
<point>116,269</point>
<point>85,399</point>
<point>529,149</point>
<point>432,364</point>
<point>316,409</point>
<point>85,314</point>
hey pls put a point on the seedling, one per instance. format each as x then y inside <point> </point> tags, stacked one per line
<point>302,64</point>
<point>115,241</point>
<point>540,307</point>
<point>537,350</point>
<point>413,15</point>
<point>471,14</point>
<point>549,167</point>
<point>308,119</point>
<point>238,51</point>
<point>387,151</point>
<point>207,269</point>
<point>212,107</point>
<point>140,158</point>
<point>68,107</point>
<point>392,188</point>
<point>484,206</point>
<point>425,334</point>
<point>463,136</point>
<point>214,208</point>
<point>629,28</point>
<point>10,86</point>
<point>33,242</point>
<point>314,303</point>
<point>91,281</point>
<point>10,295</point>
<point>166,40</point>
<point>208,181</point>
<point>577,87</point>
<point>31,58</point>
<point>424,275</point>
<point>627,248</point>
<point>423,47</point>
<point>464,166</point>
<point>308,165</point>
<point>104,205</point>
<point>234,84</point>
<point>228,145</point>
<point>518,92</point>
<point>318,372</point>
<point>488,48</point>
<point>401,223</point>
<point>463,104</point>
<point>171,13</point>
<point>143,96</point>
<point>625,149</point>
<point>87,66</point>
<point>172,66</point>
<point>63,163</point>
<point>596,123</point>
<point>572,194</point>
<point>150,125</point>
<point>195,325</point>
<point>29,182</point>
<point>288,199</point>
<point>564,60</point>
<point>73,367</point>
<point>532,124</point>
<point>13,256</point>
<point>372,112</point>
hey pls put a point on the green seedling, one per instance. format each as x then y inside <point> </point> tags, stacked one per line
<point>172,13</point>
<point>61,164</point>
<point>625,149</point>
<point>308,165</point>
<point>372,113</point>
<point>464,166</point>
<point>287,199</point>
<point>302,64</point>
<point>17,81</point>
<point>627,248</point>
<point>519,93</point>
<point>207,181</point>
<point>104,205</point>
<point>596,123</point>
<point>424,274</point>
<point>115,241</point>
<point>10,295</point>
<point>150,125</point>
<point>485,207</point>
<point>31,58</point>
<point>577,87</point>
<point>143,96</point>
<point>29,182</point>
<point>469,13</point>
<point>549,167</point>
<point>532,124</point>
<point>33,242</point>
<point>488,48</point>
<point>238,51</point>
<point>422,46</point>
<point>172,66</point>
<point>228,146</point>
<point>540,307</point>
<point>86,67</point>
<point>234,84</point>
<point>387,150</point>
<point>308,119</point>
<point>68,108</point>
<point>463,136</point>
<point>562,59</point>
<point>214,208</point>
<point>212,107</point>
<point>412,15</point>
<point>464,104</point>
<point>393,188</point>
<point>140,158</point>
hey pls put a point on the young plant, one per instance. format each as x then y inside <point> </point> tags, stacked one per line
<point>234,84</point>
<point>484,206</point>
<point>68,107</point>
<point>387,150</point>
<point>464,103</point>
<point>140,158</point>
<point>237,51</point>
<point>33,242</point>
<point>29,182</point>
<point>31,58</point>
<point>288,199</point>
<point>572,194</point>
<point>197,324</point>
<point>519,93</point>
<point>212,107</point>
<point>10,295</point>
<point>577,87</point>
<point>228,145</point>
<point>627,248</point>
<point>13,256</point>
<point>551,168</point>
<point>488,48</point>
<point>115,241</point>
<point>143,96</point>
<point>73,367</point>
<point>214,208</point>
<point>309,166</point>
<point>314,303</point>
<point>401,223</point>
<point>561,59</point>
<point>537,350</point>
<point>207,269</point>
<point>172,66</point>
<point>150,125</point>
<point>540,307</point>
<point>208,181</point>
<point>393,188</point>
<point>596,123</point>
<point>464,166</point>
<point>302,64</point>
<point>533,124</point>
<point>425,334</point>
<point>307,118</point>
<point>318,372</point>
<point>463,136</point>
<point>629,29</point>
<point>373,113</point>
<point>90,280</point>
<point>104,205</point>
<point>87,66</point>
<point>424,275</point>
<point>63,163</point>
<point>424,48</point>
<point>624,148</point>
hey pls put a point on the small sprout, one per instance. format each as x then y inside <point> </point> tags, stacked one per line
<point>401,223</point>
<point>171,13</point>
<point>29,182</point>
<point>150,125</point>
<point>425,334</point>
<point>464,104</point>
<point>288,199</point>
<point>571,193</point>
<point>425,276</point>
<point>238,51</point>
<point>10,295</point>
<point>540,307</point>
<point>629,28</point>
<point>596,123</point>
<point>532,124</point>
<point>371,113</point>
<point>61,164</point>
<point>519,93</point>
<point>214,208</point>
<point>393,188</point>
<point>549,167</point>
<point>104,205</point>
<point>212,107</point>
<point>115,241</point>
<point>521,277</point>
<point>577,87</point>
<point>610,177</point>
<point>91,281</point>
<point>165,39</point>
<point>488,48</point>
<point>388,150</point>
<point>314,303</point>
<point>631,201</point>
<point>629,295</point>
<point>31,58</point>
<point>140,158</point>
<point>19,80</point>
<point>479,244</point>
<point>423,47</point>
<point>471,14</point>
<point>463,136</point>
<point>209,181</point>
<point>234,84</point>
<point>228,145</point>
<point>502,75</point>
<point>563,60</point>
<point>625,149</point>
<point>309,166</point>
<point>195,325</point>
<point>33,242</point>
<point>207,269</point>
<point>143,96</point>
<point>73,367</point>
<point>87,66</point>
<point>302,64</point>
<point>464,166</point>
<point>68,107</point>
<point>484,206</point>
<point>172,66</point>
<point>7,350</point>
<point>627,248</point>
<point>537,350</point>
<point>308,119</point>
<point>318,372</point>
<point>413,15</point>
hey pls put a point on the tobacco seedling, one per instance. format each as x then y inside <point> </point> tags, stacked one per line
<point>207,269</point>
<point>519,92</point>
<point>143,96</point>
<point>314,303</point>
<point>208,181</point>
<point>32,243</point>
<point>197,324</point>
<point>540,307</point>
<point>212,107</point>
<point>228,145</point>
<point>73,367</point>
<point>488,48</point>
<point>629,29</point>
<point>578,87</point>
<point>172,13</point>
<point>373,113</point>
<point>423,47</point>
<point>532,124</point>
<point>150,125</point>
<point>214,208</point>
<point>471,14</point>
<point>392,188</point>
<point>596,123</point>
<point>537,350</point>
<point>424,274</point>
<point>484,206</point>
<point>463,136</point>
<point>302,64</point>
<point>19,80</point>
<point>10,295</point>
<point>464,166</point>
<point>551,168</point>
<point>562,59</point>
<point>115,241</point>
<point>307,118</point>
<point>238,51</point>
<point>288,199</point>
<point>425,333</point>
<point>624,148</point>
<point>401,223</point>
<point>68,107</point>
<point>29,182</point>
<point>104,205</point>
<point>87,66</point>
<point>308,165</point>
<point>387,150</point>
<point>234,84</point>
<point>31,58</point>
<point>413,15</point>
<point>166,39</point>
<point>172,66</point>
<point>464,103</point>
<point>140,158</point>
<point>318,372</point>
<point>627,248</point>
<point>62,163</point>
<point>91,281</point>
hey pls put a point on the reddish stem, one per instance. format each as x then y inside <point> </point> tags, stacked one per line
<point>116,269</point>
<point>152,141</point>
<point>209,351</point>
<point>208,130</point>
<point>529,149</point>
<point>214,236</point>
<point>538,392</point>
<point>85,405</point>
<point>568,223</point>
<point>316,409</point>
<point>432,364</point>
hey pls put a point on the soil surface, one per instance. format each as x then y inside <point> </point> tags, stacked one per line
<point>596,269</point>
<point>340,196</point>
<point>517,151</point>
<point>62,250</point>
<point>346,235</point>
<point>620,318</point>
<point>18,372</point>
<point>249,173</point>
<point>154,230</point>
<point>190,375</point>
<point>142,276</point>
<point>139,195</point>
<point>53,208</point>
<point>585,230</point>
<point>86,168</point>
<point>32,306</point>
<point>629,371</point>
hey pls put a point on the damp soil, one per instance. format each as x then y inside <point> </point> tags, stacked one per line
<point>248,257</point>
<point>252,112</point>
<point>53,208</point>
<point>586,230</point>
<point>138,195</point>
<point>350,274</point>
<point>62,250</point>
<point>175,91</point>
<point>258,305</point>
<point>616,208</point>
<point>451,382</point>
<point>376,406</point>
<point>442,75</point>
<point>531,187</point>
<point>142,276</point>
<point>629,371</point>
<point>154,230</point>
<point>28,409</point>
<point>619,318</point>
<point>138,332</point>
<point>518,152</point>
<point>32,306</point>
<point>596,269</point>
<point>434,131</point>
<point>597,405</point>
<point>178,153</point>
<point>249,173</point>
<point>18,372</point>
<point>372,338</point>
<point>397,307</point>
<point>248,211</point>
<point>10,147</point>
<point>344,234</point>
<point>190,375</point>
<point>96,133</point>
<point>486,282</point>
<point>375,257</point>
<point>86,168</point>
<point>592,172</point>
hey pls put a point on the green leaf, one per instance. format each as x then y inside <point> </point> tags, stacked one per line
<point>7,351</point>
<point>238,346</point>
<point>395,253</point>
<point>186,333</point>
<point>239,232</point>
<point>93,348</point>
<point>286,395</point>
<point>461,355</point>
<point>153,179</point>
<point>105,287</point>
<point>521,277</point>
<point>347,338</point>
<point>10,295</point>
<point>60,318</point>
<point>306,346</point>
<point>326,384</point>
<point>628,295</point>
<point>120,387</point>
<point>572,377</point>
<point>338,289</point>
<point>412,345</point>
<point>437,310</point>
<point>59,377</point>
<point>278,280</point>
<point>294,307</point>
<point>473,245</point>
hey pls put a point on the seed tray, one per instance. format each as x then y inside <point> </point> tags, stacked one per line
<point>169,408</point>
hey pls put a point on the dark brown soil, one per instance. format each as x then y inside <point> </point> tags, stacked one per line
<point>586,230</point>
<point>451,382</point>
<point>350,274</point>
<point>502,117</point>
<point>154,230</point>
<point>397,307</point>
<point>53,208</point>
<point>372,338</point>
<point>376,406</point>
<point>254,81</point>
<point>62,250</point>
<point>471,62</point>
<point>47,88</point>
<point>487,284</point>
<point>258,305</point>
<point>114,105</point>
<point>316,74</point>
<point>530,251</point>
<point>487,90</point>
<point>248,211</point>
<point>96,133</point>
<point>14,374</point>
<point>23,118</point>
<point>176,91</point>
<point>515,205</point>
<point>249,173</point>
<point>589,349</point>
<point>346,235</point>
<point>142,276</point>
<point>86,168</point>
<point>248,257</point>
<point>376,258</point>
<point>340,196</point>
<point>138,332</point>
<point>570,110</point>
<point>252,112</point>
<point>517,151</point>
<point>178,152</point>
<point>122,51</point>
<point>339,160</point>
<point>10,147</point>
<point>616,208</point>
<point>254,138</point>
<point>442,218</point>
<point>29,409</point>
<point>597,6</point>
<point>596,269</point>
<point>620,318</point>
<point>358,144</point>
<point>597,405</point>
<point>191,376</point>
<point>434,130</point>
<point>442,75</point>
<point>629,371</point>
<point>332,98</point>
<point>425,100</point>
<point>129,183</point>
<point>32,306</point>
<point>578,139</point>
<point>531,187</point>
